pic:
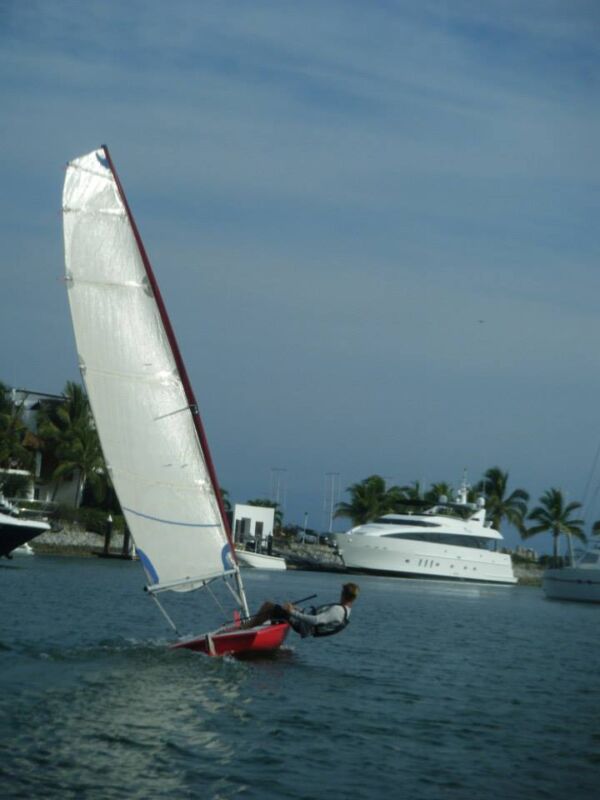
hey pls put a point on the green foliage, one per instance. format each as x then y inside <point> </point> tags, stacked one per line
<point>106,500</point>
<point>13,431</point>
<point>498,506</point>
<point>91,519</point>
<point>555,517</point>
<point>70,431</point>
<point>369,499</point>
<point>15,485</point>
<point>413,492</point>
<point>438,490</point>
<point>226,500</point>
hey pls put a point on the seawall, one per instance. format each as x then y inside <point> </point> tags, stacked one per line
<point>71,540</point>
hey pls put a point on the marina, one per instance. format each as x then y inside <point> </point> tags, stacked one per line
<point>299,459</point>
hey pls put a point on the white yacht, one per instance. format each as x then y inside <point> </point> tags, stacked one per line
<point>578,581</point>
<point>16,530</point>
<point>448,541</point>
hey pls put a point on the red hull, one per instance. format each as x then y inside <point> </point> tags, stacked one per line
<point>238,641</point>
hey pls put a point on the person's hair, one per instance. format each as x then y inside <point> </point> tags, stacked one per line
<point>350,591</point>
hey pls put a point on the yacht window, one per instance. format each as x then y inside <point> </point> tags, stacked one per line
<point>441,538</point>
<point>589,558</point>
<point>415,523</point>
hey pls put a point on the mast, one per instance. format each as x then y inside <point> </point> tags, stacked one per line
<point>187,387</point>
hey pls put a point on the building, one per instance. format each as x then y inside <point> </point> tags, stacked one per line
<point>253,525</point>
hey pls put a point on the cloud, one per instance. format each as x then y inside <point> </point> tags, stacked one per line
<point>332,196</point>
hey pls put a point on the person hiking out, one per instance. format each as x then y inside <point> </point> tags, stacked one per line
<point>322,621</point>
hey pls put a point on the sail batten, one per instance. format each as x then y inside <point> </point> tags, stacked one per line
<point>138,388</point>
<point>160,376</point>
<point>95,212</point>
<point>188,583</point>
<point>109,284</point>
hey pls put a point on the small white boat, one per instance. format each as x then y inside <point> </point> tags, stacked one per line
<point>580,581</point>
<point>248,558</point>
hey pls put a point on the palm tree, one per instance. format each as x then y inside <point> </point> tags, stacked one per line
<point>80,453</point>
<point>513,508</point>
<point>369,499</point>
<point>437,490</point>
<point>69,428</point>
<point>413,492</point>
<point>13,432</point>
<point>396,499</point>
<point>226,500</point>
<point>554,516</point>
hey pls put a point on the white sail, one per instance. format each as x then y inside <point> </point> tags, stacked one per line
<point>138,397</point>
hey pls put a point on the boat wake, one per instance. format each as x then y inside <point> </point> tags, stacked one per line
<point>106,649</point>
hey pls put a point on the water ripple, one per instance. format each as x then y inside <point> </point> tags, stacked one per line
<point>429,694</point>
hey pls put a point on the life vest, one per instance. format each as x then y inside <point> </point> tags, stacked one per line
<point>329,628</point>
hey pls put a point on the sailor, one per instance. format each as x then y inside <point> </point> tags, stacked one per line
<point>323,621</point>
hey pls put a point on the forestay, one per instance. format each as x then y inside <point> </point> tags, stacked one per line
<point>140,399</point>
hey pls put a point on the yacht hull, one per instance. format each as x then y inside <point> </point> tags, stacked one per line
<point>412,559</point>
<point>14,532</point>
<point>572,583</point>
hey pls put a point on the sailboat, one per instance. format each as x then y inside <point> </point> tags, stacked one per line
<point>147,417</point>
<point>579,579</point>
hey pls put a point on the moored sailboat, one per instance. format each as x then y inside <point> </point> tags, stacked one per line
<point>579,579</point>
<point>144,408</point>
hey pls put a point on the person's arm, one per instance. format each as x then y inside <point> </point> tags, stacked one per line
<point>333,614</point>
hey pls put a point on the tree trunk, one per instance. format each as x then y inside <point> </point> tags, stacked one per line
<point>125,552</point>
<point>79,489</point>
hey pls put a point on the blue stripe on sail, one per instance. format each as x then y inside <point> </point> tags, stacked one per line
<point>103,161</point>
<point>227,558</point>
<point>173,521</point>
<point>148,566</point>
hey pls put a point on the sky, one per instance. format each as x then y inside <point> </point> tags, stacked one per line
<point>374,226</point>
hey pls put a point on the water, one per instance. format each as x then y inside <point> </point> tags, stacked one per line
<point>433,691</point>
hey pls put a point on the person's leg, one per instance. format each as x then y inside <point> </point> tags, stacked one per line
<point>262,615</point>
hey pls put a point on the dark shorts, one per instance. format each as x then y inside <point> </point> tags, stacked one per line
<point>279,614</point>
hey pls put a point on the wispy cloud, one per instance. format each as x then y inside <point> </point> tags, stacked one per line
<point>352,187</point>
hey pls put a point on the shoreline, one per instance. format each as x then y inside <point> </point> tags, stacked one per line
<point>74,542</point>
<point>71,540</point>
